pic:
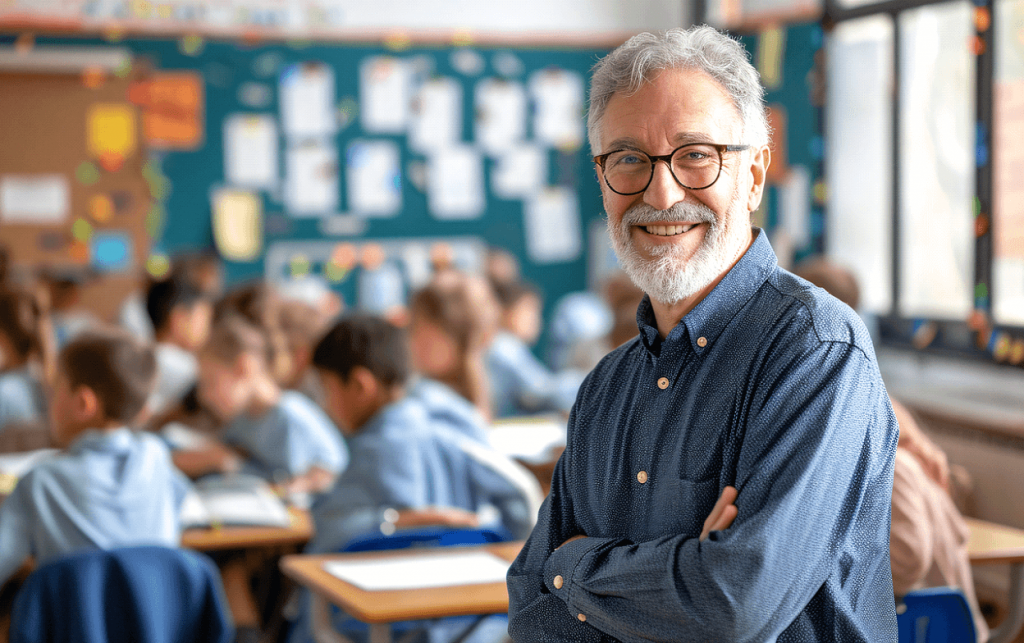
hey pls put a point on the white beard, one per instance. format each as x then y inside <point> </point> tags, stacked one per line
<point>669,278</point>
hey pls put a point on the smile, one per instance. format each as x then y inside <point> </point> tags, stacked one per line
<point>669,230</point>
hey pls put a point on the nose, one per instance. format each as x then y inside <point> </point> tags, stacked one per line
<point>664,191</point>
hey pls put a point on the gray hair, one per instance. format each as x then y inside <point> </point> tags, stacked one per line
<point>703,48</point>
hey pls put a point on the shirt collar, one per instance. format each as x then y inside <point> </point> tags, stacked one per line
<point>119,439</point>
<point>710,316</point>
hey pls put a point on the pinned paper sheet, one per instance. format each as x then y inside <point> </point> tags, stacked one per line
<point>500,115</point>
<point>311,184</point>
<point>250,151</point>
<point>237,224</point>
<point>558,119</point>
<point>110,130</point>
<point>111,251</point>
<point>521,172</point>
<point>795,206</point>
<point>437,117</point>
<point>385,91</point>
<point>552,221</point>
<point>307,101</point>
<point>374,178</point>
<point>421,572</point>
<point>34,198</point>
<point>455,187</point>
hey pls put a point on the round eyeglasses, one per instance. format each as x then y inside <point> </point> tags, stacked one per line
<point>695,166</point>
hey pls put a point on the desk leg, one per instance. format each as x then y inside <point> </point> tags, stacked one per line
<point>1010,627</point>
<point>323,630</point>
<point>380,633</point>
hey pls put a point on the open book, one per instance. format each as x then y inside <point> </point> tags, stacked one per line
<point>235,499</point>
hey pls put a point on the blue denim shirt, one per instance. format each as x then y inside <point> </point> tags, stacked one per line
<point>770,385</point>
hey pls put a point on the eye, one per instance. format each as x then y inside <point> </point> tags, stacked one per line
<point>627,160</point>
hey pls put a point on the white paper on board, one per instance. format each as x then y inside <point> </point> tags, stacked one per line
<point>455,187</point>
<point>552,221</point>
<point>795,205</point>
<point>250,151</point>
<point>520,172</point>
<point>432,569</point>
<point>374,178</point>
<point>437,115</point>
<point>307,101</point>
<point>311,185</point>
<point>558,95</point>
<point>385,91</point>
<point>500,115</point>
<point>34,198</point>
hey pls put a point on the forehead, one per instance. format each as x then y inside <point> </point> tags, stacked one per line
<point>677,106</point>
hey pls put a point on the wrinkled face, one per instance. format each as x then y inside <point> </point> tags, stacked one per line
<point>434,351</point>
<point>223,388</point>
<point>670,240</point>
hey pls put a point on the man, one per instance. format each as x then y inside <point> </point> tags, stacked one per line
<point>742,376</point>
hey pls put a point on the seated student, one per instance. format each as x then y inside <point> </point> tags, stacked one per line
<point>406,469</point>
<point>452,320</point>
<point>520,383</point>
<point>260,303</point>
<point>25,348</point>
<point>302,326</point>
<point>181,321</point>
<point>110,487</point>
<point>203,270</point>
<point>68,315</point>
<point>281,436</point>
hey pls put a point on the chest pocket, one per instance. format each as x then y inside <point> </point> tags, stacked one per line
<point>681,506</point>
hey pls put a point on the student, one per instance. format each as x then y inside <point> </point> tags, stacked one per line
<point>302,326</point>
<point>283,435</point>
<point>259,303</point>
<point>181,314</point>
<point>203,270</point>
<point>64,293</point>
<point>452,320</point>
<point>110,487</point>
<point>26,344</point>
<point>520,383</point>
<point>406,469</point>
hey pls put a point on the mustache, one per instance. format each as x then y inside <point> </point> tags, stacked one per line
<point>682,212</point>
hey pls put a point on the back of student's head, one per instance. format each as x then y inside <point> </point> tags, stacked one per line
<point>164,296</point>
<point>835,279</point>
<point>259,304</point>
<point>462,305</point>
<point>118,367</point>
<point>510,293</point>
<point>365,341</point>
<point>22,323</point>
<point>233,336</point>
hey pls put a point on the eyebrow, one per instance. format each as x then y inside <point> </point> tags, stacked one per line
<point>682,138</point>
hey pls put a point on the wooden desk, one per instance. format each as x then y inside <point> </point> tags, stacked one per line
<point>990,544</point>
<point>380,609</point>
<point>221,538</point>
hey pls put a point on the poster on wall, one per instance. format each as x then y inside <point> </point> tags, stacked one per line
<point>237,224</point>
<point>520,172</point>
<point>311,183</point>
<point>437,115</point>
<point>250,151</point>
<point>455,185</point>
<point>558,96</point>
<point>500,115</point>
<point>34,198</point>
<point>307,101</point>
<point>374,178</point>
<point>385,91</point>
<point>552,222</point>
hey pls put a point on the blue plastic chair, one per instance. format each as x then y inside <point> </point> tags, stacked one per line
<point>935,615</point>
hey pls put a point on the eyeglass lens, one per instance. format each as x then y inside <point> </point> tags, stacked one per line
<point>694,166</point>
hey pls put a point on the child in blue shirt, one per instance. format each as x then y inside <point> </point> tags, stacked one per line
<point>281,436</point>
<point>110,487</point>
<point>25,344</point>
<point>406,468</point>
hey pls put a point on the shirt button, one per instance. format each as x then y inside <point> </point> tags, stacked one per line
<point>558,582</point>
<point>582,617</point>
<point>702,341</point>
<point>663,383</point>
<point>641,477</point>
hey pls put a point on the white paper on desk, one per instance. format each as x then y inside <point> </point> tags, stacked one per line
<point>437,115</point>
<point>250,151</point>
<point>552,221</point>
<point>374,178</point>
<point>558,96</point>
<point>34,198</point>
<point>233,500</point>
<point>311,185</point>
<point>385,91</point>
<point>532,439</point>
<point>500,120</point>
<point>307,101</point>
<point>521,172</point>
<point>421,572</point>
<point>455,185</point>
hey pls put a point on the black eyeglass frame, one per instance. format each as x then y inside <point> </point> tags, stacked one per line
<point>719,147</point>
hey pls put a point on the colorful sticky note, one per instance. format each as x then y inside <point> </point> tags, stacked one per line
<point>101,208</point>
<point>87,173</point>
<point>111,251</point>
<point>237,224</point>
<point>81,230</point>
<point>158,265</point>
<point>111,130</point>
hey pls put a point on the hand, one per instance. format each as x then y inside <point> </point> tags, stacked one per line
<point>429,516</point>
<point>316,480</point>
<point>722,514</point>
<point>576,537</point>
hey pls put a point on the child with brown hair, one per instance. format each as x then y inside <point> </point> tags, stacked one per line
<point>110,487</point>
<point>281,436</point>
<point>26,356</point>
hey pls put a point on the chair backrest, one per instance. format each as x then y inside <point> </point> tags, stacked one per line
<point>426,537</point>
<point>140,594</point>
<point>935,615</point>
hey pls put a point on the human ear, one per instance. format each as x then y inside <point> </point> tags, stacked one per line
<point>367,385</point>
<point>762,158</point>
<point>87,403</point>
